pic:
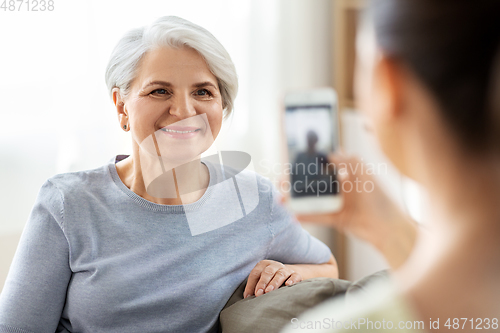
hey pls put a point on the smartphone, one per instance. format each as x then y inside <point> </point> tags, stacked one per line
<point>312,133</point>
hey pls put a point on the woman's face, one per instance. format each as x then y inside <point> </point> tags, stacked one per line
<point>174,107</point>
<point>376,97</point>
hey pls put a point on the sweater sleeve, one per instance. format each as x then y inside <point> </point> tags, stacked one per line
<point>34,294</point>
<point>291,244</point>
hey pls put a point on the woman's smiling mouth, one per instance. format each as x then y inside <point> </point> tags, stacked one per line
<point>180,132</point>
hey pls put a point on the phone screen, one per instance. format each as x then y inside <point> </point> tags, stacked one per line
<point>311,137</point>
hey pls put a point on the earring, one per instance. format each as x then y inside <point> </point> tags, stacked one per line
<point>124,126</point>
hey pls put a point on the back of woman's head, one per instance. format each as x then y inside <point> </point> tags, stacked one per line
<point>452,46</point>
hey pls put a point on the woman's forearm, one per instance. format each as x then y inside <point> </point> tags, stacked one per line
<point>328,269</point>
<point>397,242</point>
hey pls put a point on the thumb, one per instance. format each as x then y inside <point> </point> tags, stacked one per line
<point>341,164</point>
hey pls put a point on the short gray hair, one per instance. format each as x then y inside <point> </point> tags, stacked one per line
<point>171,31</point>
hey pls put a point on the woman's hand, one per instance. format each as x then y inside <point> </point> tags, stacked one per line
<point>368,213</point>
<point>269,275</point>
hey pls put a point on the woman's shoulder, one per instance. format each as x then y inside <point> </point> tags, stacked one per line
<point>77,181</point>
<point>69,193</point>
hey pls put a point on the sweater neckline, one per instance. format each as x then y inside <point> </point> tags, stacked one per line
<point>176,209</point>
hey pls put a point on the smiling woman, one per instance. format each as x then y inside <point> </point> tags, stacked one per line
<point>157,241</point>
<point>174,110</point>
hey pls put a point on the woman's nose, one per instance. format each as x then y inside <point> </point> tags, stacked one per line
<point>182,107</point>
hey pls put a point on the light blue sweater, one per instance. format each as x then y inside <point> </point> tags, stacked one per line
<point>96,257</point>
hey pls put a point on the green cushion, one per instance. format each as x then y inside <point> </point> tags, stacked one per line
<point>272,311</point>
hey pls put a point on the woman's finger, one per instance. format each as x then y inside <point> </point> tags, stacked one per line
<point>254,277</point>
<point>278,279</point>
<point>293,279</point>
<point>266,277</point>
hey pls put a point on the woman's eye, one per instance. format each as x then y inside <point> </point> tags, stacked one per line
<point>159,92</point>
<point>203,92</point>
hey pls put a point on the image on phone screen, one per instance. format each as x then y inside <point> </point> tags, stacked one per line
<point>310,138</point>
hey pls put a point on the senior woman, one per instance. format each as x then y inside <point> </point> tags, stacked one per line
<point>428,80</point>
<point>114,250</point>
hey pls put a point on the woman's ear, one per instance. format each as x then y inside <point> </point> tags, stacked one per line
<point>388,114</point>
<point>388,76</point>
<point>120,109</point>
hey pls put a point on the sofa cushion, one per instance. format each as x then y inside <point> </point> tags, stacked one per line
<point>361,286</point>
<point>272,311</point>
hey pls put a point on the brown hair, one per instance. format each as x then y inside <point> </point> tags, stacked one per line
<point>453,48</point>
